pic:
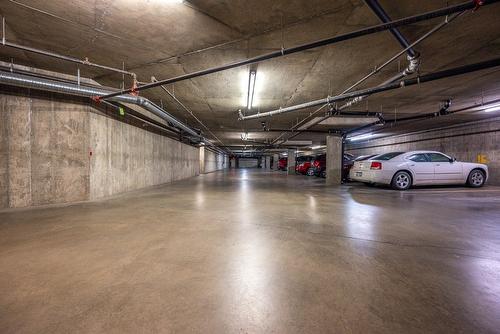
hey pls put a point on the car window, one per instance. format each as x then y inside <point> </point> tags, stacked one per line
<point>438,157</point>
<point>360,158</point>
<point>418,158</point>
<point>364,157</point>
<point>387,156</point>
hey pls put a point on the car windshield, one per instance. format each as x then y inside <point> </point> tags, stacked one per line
<point>387,156</point>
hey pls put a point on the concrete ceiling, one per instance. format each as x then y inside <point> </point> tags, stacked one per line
<point>164,39</point>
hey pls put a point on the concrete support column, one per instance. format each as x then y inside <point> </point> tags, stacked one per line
<point>334,160</point>
<point>276,159</point>
<point>291,162</point>
<point>202,159</point>
<point>268,162</point>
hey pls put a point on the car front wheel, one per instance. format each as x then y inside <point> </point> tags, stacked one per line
<point>476,178</point>
<point>310,172</point>
<point>401,181</point>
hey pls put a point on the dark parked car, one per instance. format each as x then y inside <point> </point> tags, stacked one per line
<point>347,165</point>
<point>282,164</point>
<point>318,167</point>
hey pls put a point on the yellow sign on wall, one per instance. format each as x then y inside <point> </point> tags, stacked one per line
<point>482,159</point>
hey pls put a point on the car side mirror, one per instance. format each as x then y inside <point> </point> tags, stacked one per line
<point>452,160</point>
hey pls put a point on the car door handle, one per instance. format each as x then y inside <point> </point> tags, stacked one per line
<point>413,165</point>
<point>438,164</point>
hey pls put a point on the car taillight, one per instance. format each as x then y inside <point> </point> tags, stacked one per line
<point>376,165</point>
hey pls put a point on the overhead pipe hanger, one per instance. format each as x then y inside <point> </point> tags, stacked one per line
<point>327,41</point>
<point>373,72</point>
<point>69,88</point>
<point>413,56</point>
<point>413,65</point>
<point>386,87</point>
<point>443,111</point>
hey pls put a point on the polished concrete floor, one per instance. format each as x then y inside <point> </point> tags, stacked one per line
<point>250,251</point>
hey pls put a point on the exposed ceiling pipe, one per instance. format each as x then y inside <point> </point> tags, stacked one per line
<point>413,66</point>
<point>327,41</point>
<point>33,82</point>
<point>442,112</point>
<point>85,61</point>
<point>389,86</point>
<point>183,106</point>
<point>298,124</point>
<point>171,131</point>
<point>375,71</point>
<point>382,15</point>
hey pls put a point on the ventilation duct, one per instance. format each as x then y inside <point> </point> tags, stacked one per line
<point>49,85</point>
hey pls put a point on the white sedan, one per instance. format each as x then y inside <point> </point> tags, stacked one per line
<point>402,170</point>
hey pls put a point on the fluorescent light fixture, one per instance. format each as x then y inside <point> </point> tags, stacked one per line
<point>317,147</point>
<point>361,137</point>
<point>251,88</point>
<point>495,107</point>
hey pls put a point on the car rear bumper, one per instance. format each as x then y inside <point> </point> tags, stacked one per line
<point>370,176</point>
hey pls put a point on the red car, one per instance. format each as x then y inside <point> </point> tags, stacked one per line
<point>303,167</point>
<point>283,164</point>
<point>318,166</point>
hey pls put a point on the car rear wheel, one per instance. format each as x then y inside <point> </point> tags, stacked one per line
<point>310,172</point>
<point>401,181</point>
<point>476,178</point>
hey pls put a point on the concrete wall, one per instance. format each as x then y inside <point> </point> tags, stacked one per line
<point>45,145</point>
<point>213,161</point>
<point>465,142</point>
<point>126,158</point>
<point>43,151</point>
<point>248,163</point>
